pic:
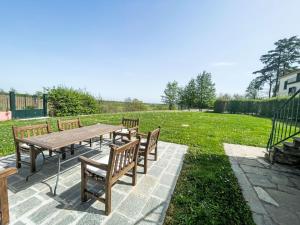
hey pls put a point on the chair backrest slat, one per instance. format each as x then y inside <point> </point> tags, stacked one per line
<point>33,130</point>
<point>152,139</point>
<point>129,123</point>
<point>68,124</point>
<point>122,159</point>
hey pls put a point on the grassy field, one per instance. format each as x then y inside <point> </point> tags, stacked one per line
<point>207,192</point>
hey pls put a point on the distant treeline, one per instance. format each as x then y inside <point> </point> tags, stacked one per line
<point>64,101</point>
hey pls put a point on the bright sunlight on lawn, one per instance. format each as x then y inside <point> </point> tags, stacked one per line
<point>207,192</point>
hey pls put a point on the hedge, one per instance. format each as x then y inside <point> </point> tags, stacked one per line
<point>261,107</point>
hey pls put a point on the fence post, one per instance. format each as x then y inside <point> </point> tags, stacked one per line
<point>45,104</point>
<point>12,103</point>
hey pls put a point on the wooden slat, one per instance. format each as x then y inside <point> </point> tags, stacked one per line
<point>61,139</point>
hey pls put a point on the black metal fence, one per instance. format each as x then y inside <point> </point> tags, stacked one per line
<point>285,122</point>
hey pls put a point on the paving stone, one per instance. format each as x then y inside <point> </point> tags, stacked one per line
<point>253,201</point>
<point>173,169</point>
<point>282,215</point>
<point>168,179</point>
<point>263,195</point>
<point>117,219</point>
<point>258,180</point>
<point>24,207</point>
<point>285,200</point>
<point>153,210</point>
<point>42,213</point>
<point>155,171</point>
<point>162,163</point>
<point>250,162</point>
<point>162,192</point>
<point>280,179</point>
<point>132,205</point>
<point>290,190</point>
<point>295,181</point>
<point>146,185</point>
<point>64,217</point>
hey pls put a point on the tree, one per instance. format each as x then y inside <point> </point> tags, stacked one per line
<point>268,76</point>
<point>170,96</point>
<point>282,59</point>
<point>205,91</point>
<point>253,89</point>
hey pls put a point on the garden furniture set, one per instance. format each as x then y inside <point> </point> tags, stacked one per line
<point>123,158</point>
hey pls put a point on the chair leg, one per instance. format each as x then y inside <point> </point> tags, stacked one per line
<point>108,199</point>
<point>72,149</point>
<point>145,163</point>
<point>50,153</point>
<point>134,175</point>
<point>155,156</point>
<point>83,183</point>
<point>114,138</point>
<point>91,143</point>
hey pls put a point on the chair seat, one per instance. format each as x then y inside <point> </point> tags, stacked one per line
<point>124,131</point>
<point>97,171</point>
<point>27,147</point>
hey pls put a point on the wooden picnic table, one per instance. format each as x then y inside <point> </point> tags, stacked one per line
<point>57,141</point>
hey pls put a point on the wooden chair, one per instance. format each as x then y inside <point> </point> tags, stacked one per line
<point>146,147</point>
<point>130,130</point>
<point>71,124</point>
<point>4,208</point>
<point>109,169</point>
<point>27,132</point>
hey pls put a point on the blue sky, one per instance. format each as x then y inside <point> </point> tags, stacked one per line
<point>120,49</point>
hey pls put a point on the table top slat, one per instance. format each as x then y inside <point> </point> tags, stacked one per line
<point>57,140</point>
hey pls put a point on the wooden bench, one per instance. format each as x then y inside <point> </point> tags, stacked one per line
<point>131,128</point>
<point>26,132</point>
<point>4,208</point>
<point>109,170</point>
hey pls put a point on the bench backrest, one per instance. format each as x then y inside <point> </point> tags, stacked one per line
<point>130,123</point>
<point>122,159</point>
<point>68,124</point>
<point>32,130</point>
<point>152,139</point>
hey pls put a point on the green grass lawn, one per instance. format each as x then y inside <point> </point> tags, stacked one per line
<point>207,192</point>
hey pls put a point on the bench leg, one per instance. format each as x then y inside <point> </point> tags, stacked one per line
<point>63,153</point>
<point>32,159</point>
<point>72,149</point>
<point>18,158</point>
<point>4,201</point>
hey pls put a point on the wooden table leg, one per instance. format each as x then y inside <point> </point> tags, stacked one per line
<point>4,208</point>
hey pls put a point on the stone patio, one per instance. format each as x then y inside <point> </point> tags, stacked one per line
<point>32,202</point>
<point>272,191</point>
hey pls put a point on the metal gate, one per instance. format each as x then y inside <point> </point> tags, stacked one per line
<point>27,106</point>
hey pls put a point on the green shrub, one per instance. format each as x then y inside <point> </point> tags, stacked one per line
<point>261,107</point>
<point>65,101</point>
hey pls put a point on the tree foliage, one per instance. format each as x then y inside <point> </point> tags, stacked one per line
<point>205,91</point>
<point>65,101</point>
<point>278,62</point>
<point>198,93</point>
<point>171,94</point>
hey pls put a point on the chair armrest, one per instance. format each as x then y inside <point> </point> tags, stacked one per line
<point>91,162</point>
